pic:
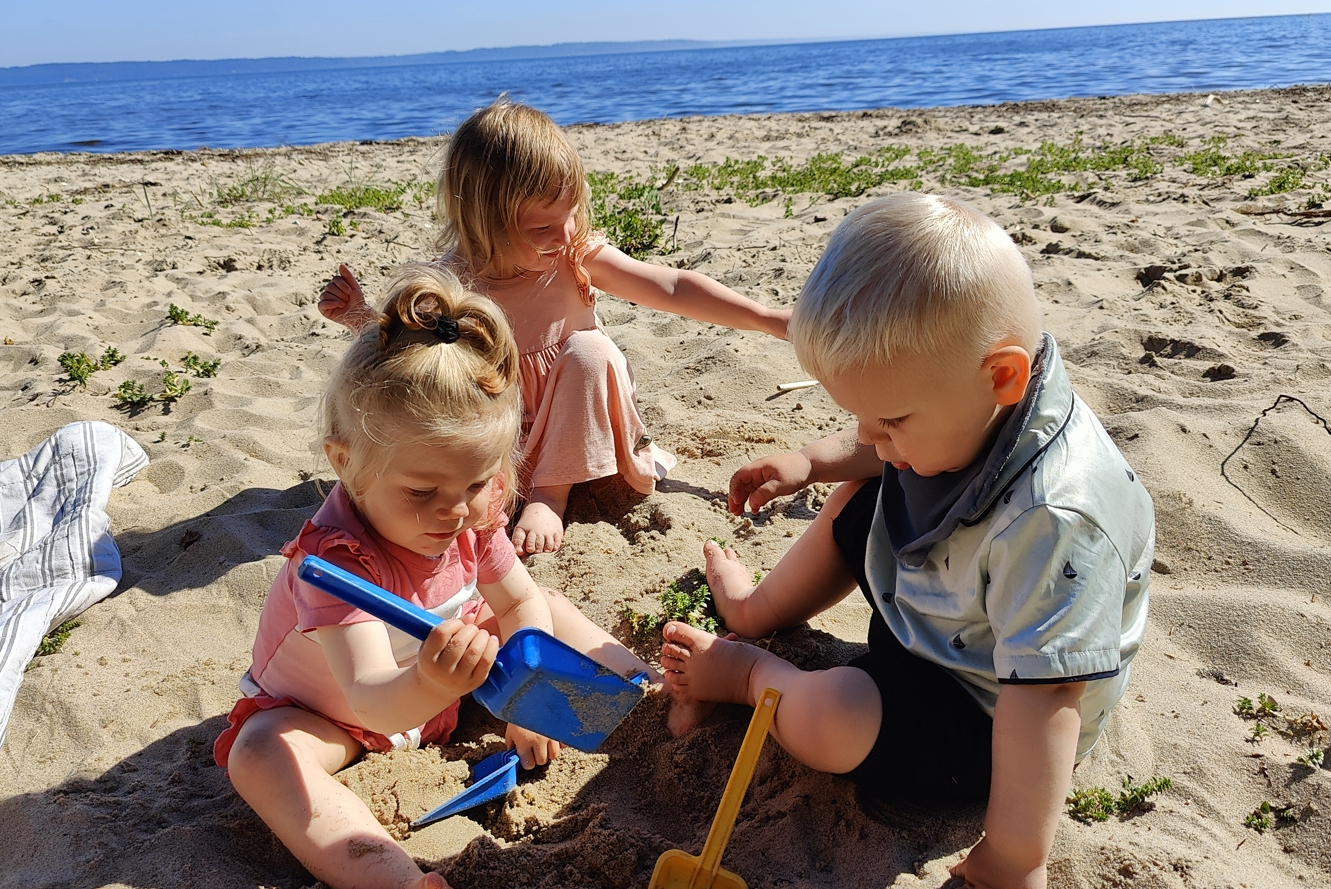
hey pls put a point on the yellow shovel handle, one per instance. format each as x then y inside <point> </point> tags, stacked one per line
<point>733,797</point>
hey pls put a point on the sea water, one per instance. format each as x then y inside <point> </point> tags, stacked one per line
<point>389,102</point>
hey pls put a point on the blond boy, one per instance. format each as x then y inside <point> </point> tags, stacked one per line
<point>999,536</point>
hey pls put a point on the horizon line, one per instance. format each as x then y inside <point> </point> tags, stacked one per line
<point>666,44</point>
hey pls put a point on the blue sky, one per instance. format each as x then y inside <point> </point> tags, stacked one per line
<point>36,31</point>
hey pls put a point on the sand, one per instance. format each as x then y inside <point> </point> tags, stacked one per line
<point>1192,319</point>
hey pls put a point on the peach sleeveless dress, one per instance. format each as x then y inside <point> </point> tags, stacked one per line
<point>580,419</point>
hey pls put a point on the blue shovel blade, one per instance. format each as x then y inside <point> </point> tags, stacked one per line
<point>544,685</point>
<point>537,681</point>
<point>491,778</point>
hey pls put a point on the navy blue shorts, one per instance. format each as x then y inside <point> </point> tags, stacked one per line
<point>936,743</point>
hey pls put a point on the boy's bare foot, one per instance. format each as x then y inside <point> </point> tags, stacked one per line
<point>702,667</point>
<point>686,713</point>
<point>728,578</point>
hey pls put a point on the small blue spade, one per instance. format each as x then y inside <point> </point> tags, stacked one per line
<point>537,681</point>
<point>491,778</point>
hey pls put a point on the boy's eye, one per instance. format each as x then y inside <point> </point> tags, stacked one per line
<point>418,494</point>
<point>891,423</point>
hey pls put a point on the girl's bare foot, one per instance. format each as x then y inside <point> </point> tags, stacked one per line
<point>540,528</point>
<point>701,667</point>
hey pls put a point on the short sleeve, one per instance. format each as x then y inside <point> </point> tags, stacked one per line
<point>1054,599</point>
<point>314,607</point>
<point>494,552</point>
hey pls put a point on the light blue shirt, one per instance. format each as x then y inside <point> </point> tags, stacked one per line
<point>1039,572</point>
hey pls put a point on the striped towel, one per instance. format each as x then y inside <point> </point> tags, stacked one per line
<point>57,556</point>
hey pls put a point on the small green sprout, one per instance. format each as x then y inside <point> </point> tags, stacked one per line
<point>1267,705</point>
<point>1258,733</point>
<point>1312,758</point>
<point>177,315</point>
<point>111,357</point>
<point>336,227</point>
<point>132,394</point>
<point>1243,707</point>
<point>174,386</point>
<point>161,436</point>
<point>720,541</point>
<point>1265,815</point>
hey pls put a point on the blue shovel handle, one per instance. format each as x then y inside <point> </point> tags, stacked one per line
<point>368,597</point>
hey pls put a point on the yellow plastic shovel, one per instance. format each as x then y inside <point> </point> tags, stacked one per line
<point>676,869</point>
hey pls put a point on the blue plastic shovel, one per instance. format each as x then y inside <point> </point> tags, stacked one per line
<point>491,778</point>
<point>537,682</point>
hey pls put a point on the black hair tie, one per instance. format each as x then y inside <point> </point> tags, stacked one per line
<point>446,329</point>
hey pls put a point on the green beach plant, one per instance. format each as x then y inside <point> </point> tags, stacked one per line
<point>132,395</point>
<point>176,315</point>
<point>1097,804</point>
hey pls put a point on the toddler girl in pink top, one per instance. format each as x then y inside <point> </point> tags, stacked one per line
<point>420,421</point>
<point>513,200</point>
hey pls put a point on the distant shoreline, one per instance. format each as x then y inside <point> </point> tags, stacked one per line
<point>56,73</point>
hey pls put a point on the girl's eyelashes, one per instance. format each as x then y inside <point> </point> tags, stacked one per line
<point>890,423</point>
<point>418,494</point>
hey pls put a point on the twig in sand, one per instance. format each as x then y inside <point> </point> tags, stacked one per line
<point>1224,473</point>
<point>791,387</point>
<point>1283,211</point>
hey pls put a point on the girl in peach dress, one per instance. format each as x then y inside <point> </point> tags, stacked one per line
<point>513,201</point>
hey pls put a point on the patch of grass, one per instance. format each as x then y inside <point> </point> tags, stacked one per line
<point>385,199</point>
<point>1097,804</point>
<point>757,181</point>
<point>53,198</point>
<point>261,182</point>
<point>628,211</point>
<point>200,368</point>
<point>132,395</point>
<point>1285,179</point>
<point>1212,161</point>
<point>336,227</point>
<point>53,641</point>
<point>176,315</point>
<point>1041,174</point>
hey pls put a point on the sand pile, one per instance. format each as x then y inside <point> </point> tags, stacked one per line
<point>1180,245</point>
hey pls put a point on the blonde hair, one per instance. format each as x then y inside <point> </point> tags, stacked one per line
<point>918,277</point>
<point>499,160</point>
<point>439,366</point>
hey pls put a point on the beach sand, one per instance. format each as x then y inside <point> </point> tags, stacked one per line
<point>1194,322</point>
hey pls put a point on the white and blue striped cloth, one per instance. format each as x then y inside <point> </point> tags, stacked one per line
<point>57,556</point>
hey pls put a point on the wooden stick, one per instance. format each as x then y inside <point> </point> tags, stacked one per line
<point>791,387</point>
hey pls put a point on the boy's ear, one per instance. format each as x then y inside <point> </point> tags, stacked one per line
<point>1008,371</point>
<point>337,453</point>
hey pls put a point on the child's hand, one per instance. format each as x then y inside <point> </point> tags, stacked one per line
<point>456,657</point>
<point>343,301</point>
<point>982,869</point>
<point>773,476</point>
<point>533,749</point>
